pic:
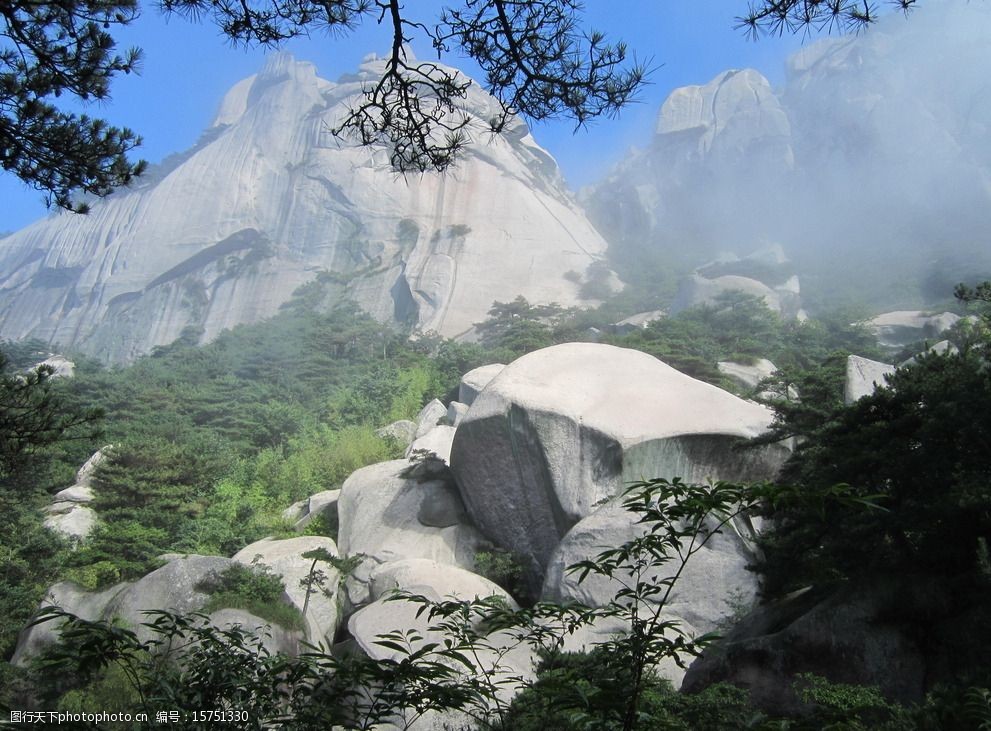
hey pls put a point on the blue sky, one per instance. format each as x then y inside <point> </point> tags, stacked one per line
<point>188,67</point>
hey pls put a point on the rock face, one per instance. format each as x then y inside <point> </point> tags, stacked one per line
<point>70,514</point>
<point>747,375</point>
<point>285,558</point>
<point>563,428</point>
<point>172,588</point>
<point>766,274</point>
<point>714,584</point>
<point>475,380</point>
<point>825,163</point>
<point>268,201</point>
<point>904,327</point>
<point>389,514</point>
<point>863,376</point>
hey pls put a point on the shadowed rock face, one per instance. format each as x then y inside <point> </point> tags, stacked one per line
<point>267,201</point>
<point>564,428</point>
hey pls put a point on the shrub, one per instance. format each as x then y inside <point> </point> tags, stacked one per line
<point>254,589</point>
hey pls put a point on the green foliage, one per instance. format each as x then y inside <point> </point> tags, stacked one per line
<point>252,588</point>
<point>34,415</point>
<point>518,326</point>
<point>30,556</point>
<point>503,568</point>
<point>51,50</point>
<point>920,444</point>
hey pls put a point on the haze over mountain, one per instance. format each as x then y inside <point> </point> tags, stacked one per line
<point>268,201</point>
<point>871,166</point>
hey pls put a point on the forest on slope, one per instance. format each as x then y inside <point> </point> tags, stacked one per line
<point>211,444</point>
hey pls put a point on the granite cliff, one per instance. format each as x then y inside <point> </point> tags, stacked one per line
<point>268,201</point>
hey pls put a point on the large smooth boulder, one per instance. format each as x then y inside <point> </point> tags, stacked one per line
<point>747,375</point>
<point>69,515</point>
<point>88,605</point>
<point>713,585</point>
<point>698,291</point>
<point>430,416</point>
<point>285,559</point>
<point>904,327</point>
<point>564,428</point>
<point>436,441</point>
<point>175,587</point>
<point>510,663</point>
<point>474,381</point>
<point>639,321</point>
<point>273,638</point>
<point>863,377</point>
<point>70,520</point>
<point>391,511</point>
<point>402,432</point>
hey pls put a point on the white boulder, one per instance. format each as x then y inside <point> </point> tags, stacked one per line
<point>713,585</point>
<point>456,412</point>
<point>747,375</point>
<point>475,380</point>
<point>402,432</point>
<point>430,416</point>
<point>435,441</point>
<point>380,512</point>
<point>176,587</point>
<point>564,428</point>
<point>285,559</point>
<point>863,377</point>
<point>904,327</point>
<point>273,638</point>
<point>698,291</point>
<point>71,520</point>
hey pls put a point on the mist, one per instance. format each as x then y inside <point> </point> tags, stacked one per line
<point>869,165</point>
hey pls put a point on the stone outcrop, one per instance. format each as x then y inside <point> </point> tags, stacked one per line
<point>844,637</point>
<point>319,505</point>
<point>171,588</point>
<point>380,511</point>
<point>268,201</point>
<point>905,327</point>
<point>863,377</point>
<point>564,428</point>
<point>475,380</point>
<point>285,559</point>
<point>402,432</point>
<point>714,585</point>
<point>747,375</point>
<point>639,321</point>
<point>765,274</point>
<point>818,162</point>
<point>69,514</point>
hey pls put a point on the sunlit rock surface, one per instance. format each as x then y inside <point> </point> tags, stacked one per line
<point>380,511</point>
<point>269,200</point>
<point>564,428</point>
<point>285,559</point>
<point>69,513</point>
<point>863,377</point>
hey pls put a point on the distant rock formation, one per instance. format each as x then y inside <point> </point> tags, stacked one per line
<point>269,201</point>
<point>869,163</point>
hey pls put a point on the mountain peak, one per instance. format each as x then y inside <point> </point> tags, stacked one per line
<point>270,201</point>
